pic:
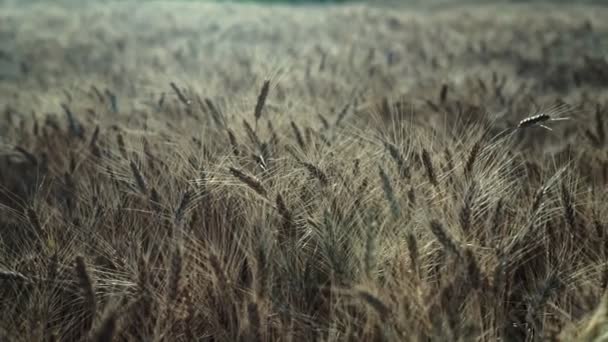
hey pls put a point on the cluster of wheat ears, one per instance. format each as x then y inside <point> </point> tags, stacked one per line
<point>186,172</point>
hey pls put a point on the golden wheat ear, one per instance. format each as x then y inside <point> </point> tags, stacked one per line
<point>533,120</point>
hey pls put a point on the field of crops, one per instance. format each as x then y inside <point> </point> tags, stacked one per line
<point>183,171</point>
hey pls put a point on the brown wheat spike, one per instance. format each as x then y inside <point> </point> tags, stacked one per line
<point>86,285</point>
<point>107,329</point>
<point>533,120</point>
<point>316,173</point>
<point>216,115</point>
<point>443,94</point>
<point>298,135</point>
<point>342,115</point>
<point>356,167</point>
<point>148,153</point>
<point>370,254</point>
<point>433,106</point>
<point>262,269</point>
<point>33,219</point>
<point>139,178</point>
<point>389,193</point>
<point>308,133</point>
<point>259,106</point>
<point>142,274</point>
<point>324,121</point>
<point>255,325</point>
<point>404,170</point>
<point>375,303</point>
<point>28,156</point>
<point>444,238</point>
<point>250,181</point>
<point>190,320</point>
<point>360,193</point>
<point>233,143</point>
<point>473,271</point>
<point>323,139</point>
<point>598,139</point>
<point>180,94</point>
<point>75,128</point>
<point>449,160</point>
<point>500,273</point>
<point>161,100</point>
<point>552,285</point>
<point>182,207</point>
<point>251,134</point>
<point>542,118</point>
<point>121,145</point>
<point>95,150</point>
<point>95,136</point>
<point>538,200</point>
<point>52,269</point>
<point>467,208</point>
<point>13,276</point>
<point>470,164</point>
<point>386,108</point>
<point>36,128</point>
<point>175,272</point>
<point>285,214</point>
<point>412,247</point>
<point>259,161</point>
<point>113,100</point>
<point>568,205</point>
<point>218,269</point>
<point>274,138</point>
<point>98,94</point>
<point>155,201</point>
<point>497,218</point>
<point>599,125</point>
<point>428,166</point>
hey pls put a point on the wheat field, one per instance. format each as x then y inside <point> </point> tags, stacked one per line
<point>237,172</point>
